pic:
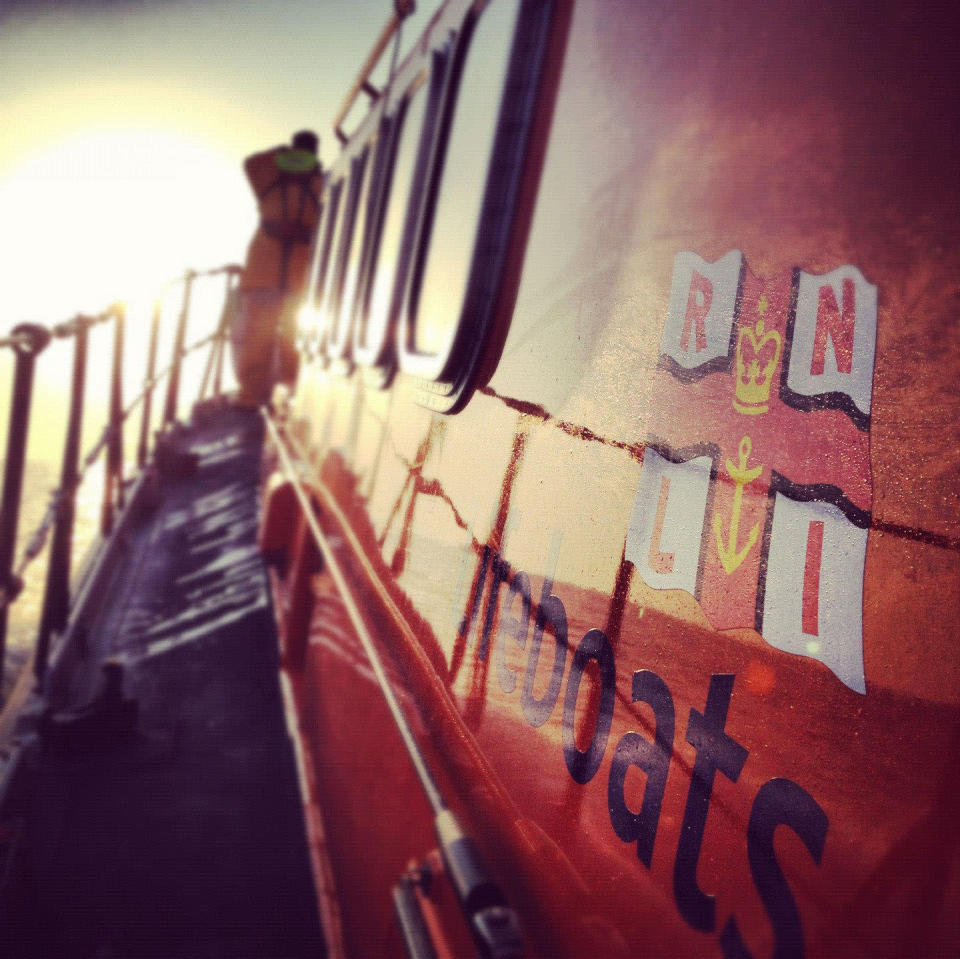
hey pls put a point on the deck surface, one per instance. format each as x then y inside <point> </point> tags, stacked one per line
<point>186,841</point>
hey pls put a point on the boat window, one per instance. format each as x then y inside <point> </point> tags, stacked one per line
<point>403,191</point>
<point>376,199</point>
<point>352,248</point>
<point>341,248</point>
<point>309,315</point>
<point>447,245</point>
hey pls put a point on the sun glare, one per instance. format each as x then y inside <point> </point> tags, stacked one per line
<point>114,214</point>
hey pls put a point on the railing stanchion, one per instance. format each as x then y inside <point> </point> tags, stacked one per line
<point>56,597</point>
<point>143,447</point>
<point>27,341</point>
<point>113,475</point>
<point>216,347</point>
<point>173,387</point>
<point>33,339</point>
<point>228,309</point>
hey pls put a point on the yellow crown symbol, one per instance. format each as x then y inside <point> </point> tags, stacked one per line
<point>756,347</point>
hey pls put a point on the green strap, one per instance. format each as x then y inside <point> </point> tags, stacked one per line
<point>296,161</point>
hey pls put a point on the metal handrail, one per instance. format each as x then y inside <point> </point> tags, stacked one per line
<point>493,923</point>
<point>27,342</point>
<point>402,10</point>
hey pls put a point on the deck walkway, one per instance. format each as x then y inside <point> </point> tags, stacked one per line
<point>185,841</point>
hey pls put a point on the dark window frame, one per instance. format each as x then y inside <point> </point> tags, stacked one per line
<point>382,356</point>
<point>334,344</point>
<point>323,242</point>
<point>377,200</point>
<point>325,231</point>
<point>445,383</point>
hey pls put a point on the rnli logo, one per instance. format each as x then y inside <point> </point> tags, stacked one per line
<point>755,489</point>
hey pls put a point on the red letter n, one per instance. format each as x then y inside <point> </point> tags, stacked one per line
<point>838,326</point>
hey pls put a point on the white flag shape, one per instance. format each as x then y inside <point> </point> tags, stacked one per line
<point>834,336</point>
<point>813,599</point>
<point>666,526</point>
<point>703,300</point>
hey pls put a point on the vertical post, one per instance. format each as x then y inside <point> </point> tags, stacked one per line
<point>143,447</point>
<point>228,308</point>
<point>56,597</point>
<point>212,356</point>
<point>173,387</point>
<point>113,479</point>
<point>33,339</point>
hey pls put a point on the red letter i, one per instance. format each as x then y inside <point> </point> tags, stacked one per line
<point>811,578</point>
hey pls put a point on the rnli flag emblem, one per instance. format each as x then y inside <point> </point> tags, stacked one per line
<point>755,488</point>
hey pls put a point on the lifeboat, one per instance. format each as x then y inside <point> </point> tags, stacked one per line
<point>584,599</point>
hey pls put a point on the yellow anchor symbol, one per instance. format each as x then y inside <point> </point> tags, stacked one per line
<point>730,556</point>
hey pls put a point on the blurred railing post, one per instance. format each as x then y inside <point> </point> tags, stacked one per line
<point>213,372</point>
<point>143,447</point>
<point>229,305</point>
<point>56,597</point>
<point>31,340</point>
<point>113,470</point>
<point>173,387</point>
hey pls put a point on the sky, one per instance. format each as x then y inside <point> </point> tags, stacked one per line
<point>125,124</point>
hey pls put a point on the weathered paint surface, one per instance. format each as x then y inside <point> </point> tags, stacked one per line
<point>648,771</point>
